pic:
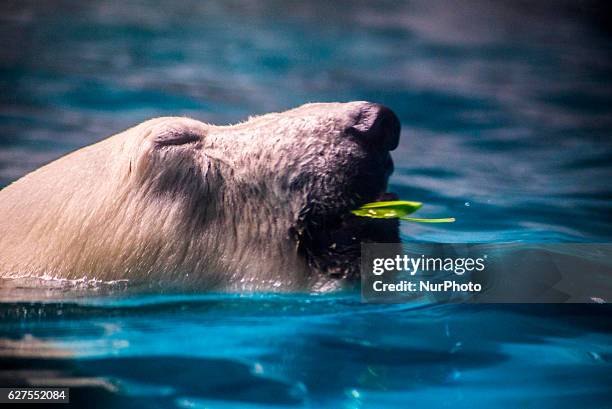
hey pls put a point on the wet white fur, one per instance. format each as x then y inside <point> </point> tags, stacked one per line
<point>211,213</point>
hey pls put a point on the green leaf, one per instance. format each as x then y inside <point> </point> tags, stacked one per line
<point>387,210</point>
<point>397,209</point>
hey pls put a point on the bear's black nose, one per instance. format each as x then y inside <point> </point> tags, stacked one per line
<point>377,126</point>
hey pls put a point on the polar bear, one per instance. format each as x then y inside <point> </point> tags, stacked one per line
<point>260,205</point>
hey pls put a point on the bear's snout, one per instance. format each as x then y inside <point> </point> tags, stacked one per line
<point>377,126</point>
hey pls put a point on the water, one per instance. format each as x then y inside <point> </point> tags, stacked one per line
<point>506,113</point>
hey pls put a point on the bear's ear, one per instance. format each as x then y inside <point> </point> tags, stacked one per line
<point>176,136</point>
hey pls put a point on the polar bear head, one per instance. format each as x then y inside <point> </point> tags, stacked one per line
<point>262,204</point>
<point>277,187</point>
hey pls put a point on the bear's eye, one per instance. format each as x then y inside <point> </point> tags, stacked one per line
<point>169,137</point>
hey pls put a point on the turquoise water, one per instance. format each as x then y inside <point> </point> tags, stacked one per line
<point>270,351</point>
<point>506,114</point>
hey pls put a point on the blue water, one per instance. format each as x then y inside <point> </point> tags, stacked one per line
<point>507,125</point>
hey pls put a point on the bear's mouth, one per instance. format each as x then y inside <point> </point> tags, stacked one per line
<point>331,243</point>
